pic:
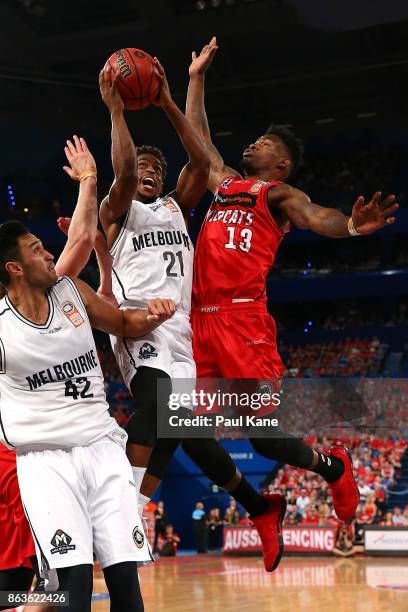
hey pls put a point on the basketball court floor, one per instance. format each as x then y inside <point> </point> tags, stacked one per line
<point>240,584</point>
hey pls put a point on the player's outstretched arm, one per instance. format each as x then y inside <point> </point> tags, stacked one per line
<point>104,259</point>
<point>81,230</point>
<point>365,218</point>
<point>124,158</point>
<point>124,323</point>
<point>192,182</point>
<point>196,113</point>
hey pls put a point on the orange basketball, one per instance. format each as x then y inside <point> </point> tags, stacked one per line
<point>137,83</point>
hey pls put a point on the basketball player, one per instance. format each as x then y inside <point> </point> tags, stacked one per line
<point>152,253</point>
<point>233,335</point>
<point>17,551</point>
<point>56,417</point>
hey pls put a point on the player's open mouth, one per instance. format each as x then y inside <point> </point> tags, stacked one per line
<point>148,182</point>
<point>247,153</point>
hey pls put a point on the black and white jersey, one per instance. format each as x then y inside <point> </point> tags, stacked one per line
<point>153,256</point>
<point>51,382</point>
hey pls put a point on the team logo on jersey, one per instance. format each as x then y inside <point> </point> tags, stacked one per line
<point>256,187</point>
<point>138,537</point>
<point>170,205</point>
<point>72,313</point>
<point>61,542</point>
<point>147,351</point>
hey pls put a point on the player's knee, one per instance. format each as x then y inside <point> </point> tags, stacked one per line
<point>123,586</point>
<point>147,386</point>
<point>77,580</point>
<point>142,428</point>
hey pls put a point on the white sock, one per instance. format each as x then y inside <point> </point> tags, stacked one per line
<point>138,473</point>
<point>143,500</point>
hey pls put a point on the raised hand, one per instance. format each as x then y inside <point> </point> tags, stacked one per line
<point>164,96</point>
<point>80,159</point>
<point>109,92</point>
<point>200,64</point>
<point>368,218</point>
<point>160,310</point>
<point>63,224</point>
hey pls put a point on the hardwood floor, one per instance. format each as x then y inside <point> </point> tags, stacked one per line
<point>240,584</point>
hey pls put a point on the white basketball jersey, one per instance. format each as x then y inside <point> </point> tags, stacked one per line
<point>51,382</point>
<point>153,256</point>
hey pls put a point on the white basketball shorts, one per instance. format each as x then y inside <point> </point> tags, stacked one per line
<point>81,501</point>
<point>168,348</point>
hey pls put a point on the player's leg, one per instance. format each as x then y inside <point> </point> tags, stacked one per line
<point>335,467</point>
<point>53,485</point>
<point>123,586</point>
<point>119,538</point>
<point>77,580</point>
<point>15,579</point>
<point>261,361</point>
<point>183,381</point>
<point>142,425</point>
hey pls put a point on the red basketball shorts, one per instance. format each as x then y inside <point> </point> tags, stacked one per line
<point>16,543</point>
<point>236,341</point>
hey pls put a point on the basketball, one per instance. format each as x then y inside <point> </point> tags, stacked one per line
<point>137,83</point>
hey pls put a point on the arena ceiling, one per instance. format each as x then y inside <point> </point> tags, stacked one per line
<point>273,54</point>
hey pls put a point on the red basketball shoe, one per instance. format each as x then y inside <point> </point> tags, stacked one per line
<point>345,493</point>
<point>269,527</point>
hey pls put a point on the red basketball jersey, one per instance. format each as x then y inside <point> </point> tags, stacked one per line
<point>237,244</point>
<point>16,543</point>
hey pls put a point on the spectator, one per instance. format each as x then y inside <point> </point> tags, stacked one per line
<point>398,519</point>
<point>302,501</point>
<point>344,541</point>
<point>170,542</point>
<point>200,527</point>
<point>387,520</point>
<point>215,528</point>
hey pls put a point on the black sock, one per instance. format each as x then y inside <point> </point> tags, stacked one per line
<point>331,468</point>
<point>252,501</point>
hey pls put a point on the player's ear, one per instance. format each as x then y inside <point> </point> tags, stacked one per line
<point>14,268</point>
<point>283,164</point>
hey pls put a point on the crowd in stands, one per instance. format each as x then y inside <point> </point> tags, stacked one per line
<point>377,465</point>
<point>357,357</point>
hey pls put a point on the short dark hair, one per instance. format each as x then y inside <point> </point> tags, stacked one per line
<point>10,232</point>
<point>293,144</point>
<point>149,150</point>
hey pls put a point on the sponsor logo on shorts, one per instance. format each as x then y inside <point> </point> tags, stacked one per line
<point>138,537</point>
<point>61,542</point>
<point>147,351</point>
<point>72,313</point>
<point>264,388</point>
